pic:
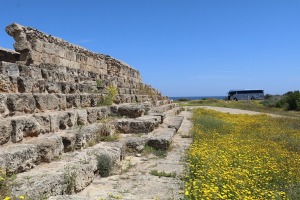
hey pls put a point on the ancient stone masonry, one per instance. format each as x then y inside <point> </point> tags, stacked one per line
<point>52,103</point>
<point>48,74</point>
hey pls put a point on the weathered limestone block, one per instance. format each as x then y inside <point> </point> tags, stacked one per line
<point>86,88</point>
<point>133,99</point>
<point>139,98</point>
<point>44,122</point>
<point>39,86</point>
<point>48,147</point>
<point>18,157</point>
<point>3,108</point>
<point>117,99</point>
<point>92,114</point>
<point>103,112</point>
<point>9,55</point>
<point>137,144</point>
<point>62,101</point>
<point>73,119</point>
<point>9,73</point>
<point>125,98</point>
<point>9,69</point>
<point>69,88</point>
<point>68,140</point>
<point>53,87</point>
<point>49,75</point>
<point>47,102</point>
<point>161,138</point>
<point>95,99</point>
<point>73,100</point>
<point>129,110</point>
<point>37,185</point>
<point>173,122</point>
<point>24,126</point>
<point>72,72</point>
<point>5,131</point>
<point>32,72</point>
<point>91,133</point>
<point>25,84</point>
<point>160,108</point>
<point>54,122</point>
<point>144,124</point>
<point>24,103</point>
<point>67,120</point>
<point>69,197</point>
<point>81,117</point>
<point>85,100</point>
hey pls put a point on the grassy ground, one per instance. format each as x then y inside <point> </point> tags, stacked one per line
<point>245,105</point>
<point>243,157</point>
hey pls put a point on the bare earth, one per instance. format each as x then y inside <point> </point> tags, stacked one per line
<point>235,111</point>
<point>135,180</point>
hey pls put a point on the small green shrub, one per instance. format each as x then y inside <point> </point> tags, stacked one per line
<point>109,98</point>
<point>271,101</point>
<point>70,180</point>
<point>99,83</point>
<point>104,165</point>
<point>158,152</point>
<point>293,100</point>
<point>162,174</point>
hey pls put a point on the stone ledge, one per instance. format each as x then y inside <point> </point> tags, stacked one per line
<point>52,179</point>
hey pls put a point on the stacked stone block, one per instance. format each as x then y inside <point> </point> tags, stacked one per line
<point>50,103</point>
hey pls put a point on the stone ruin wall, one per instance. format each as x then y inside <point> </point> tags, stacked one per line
<point>50,85</point>
<point>35,48</point>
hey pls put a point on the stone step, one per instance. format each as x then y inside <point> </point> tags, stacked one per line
<point>173,121</point>
<point>71,174</point>
<point>32,151</point>
<point>144,124</point>
<point>131,110</point>
<point>162,108</point>
<point>160,138</point>
<point>14,129</point>
<point>15,104</point>
<point>56,79</point>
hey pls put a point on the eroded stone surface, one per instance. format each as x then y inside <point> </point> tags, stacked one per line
<point>53,179</point>
<point>18,158</point>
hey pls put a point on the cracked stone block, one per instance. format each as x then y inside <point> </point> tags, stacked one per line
<point>82,117</point>
<point>5,131</point>
<point>73,100</point>
<point>53,87</point>
<point>18,158</point>
<point>49,148</point>
<point>44,122</point>
<point>3,109</point>
<point>24,103</point>
<point>24,127</point>
<point>85,100</point>
<point>47,102</point>
<point>92,114</point>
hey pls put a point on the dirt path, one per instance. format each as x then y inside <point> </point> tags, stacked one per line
<point>234,110</point>
<point>135,181</point>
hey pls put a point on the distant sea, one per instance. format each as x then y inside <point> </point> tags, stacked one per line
<point>199,97</point>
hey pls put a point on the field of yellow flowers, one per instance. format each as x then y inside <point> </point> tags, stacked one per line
<point>243,157</point>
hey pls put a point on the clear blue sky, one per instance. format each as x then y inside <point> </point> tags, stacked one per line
<point>181,47</point>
